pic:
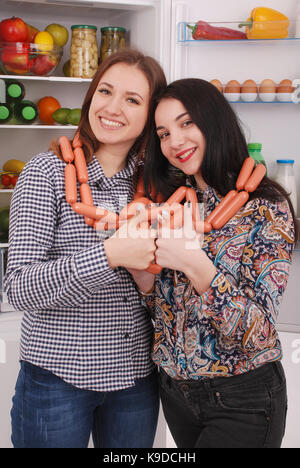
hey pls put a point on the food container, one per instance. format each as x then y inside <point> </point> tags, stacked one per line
<point>84,51</point>
<point>22,58</point>
<point>112,39</point>
<point>232,97</point>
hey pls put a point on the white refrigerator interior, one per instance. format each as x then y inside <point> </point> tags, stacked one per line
<point>158,28</point>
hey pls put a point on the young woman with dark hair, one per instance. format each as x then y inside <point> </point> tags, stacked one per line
<point>86,337</point>
<point>215,308</point>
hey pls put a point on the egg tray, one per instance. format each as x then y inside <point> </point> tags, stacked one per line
<point>249,91</point>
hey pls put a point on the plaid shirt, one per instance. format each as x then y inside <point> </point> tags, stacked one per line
<point>82,320</point>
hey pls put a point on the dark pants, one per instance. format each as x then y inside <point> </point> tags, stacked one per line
<point>244,411</point>
<point>50,413</point>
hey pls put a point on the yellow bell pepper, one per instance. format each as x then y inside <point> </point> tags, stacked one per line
<point>266,23</point>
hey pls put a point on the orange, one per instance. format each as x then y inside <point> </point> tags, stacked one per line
<point>47,106</point>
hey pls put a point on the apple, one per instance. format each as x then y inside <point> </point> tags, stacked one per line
<point>32,32</point>
<point>16,58</point>
<point>43,64</point>
<point>13,30</point>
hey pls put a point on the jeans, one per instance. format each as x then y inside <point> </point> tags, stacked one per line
<point>244,411</point>
<point>50,413</point>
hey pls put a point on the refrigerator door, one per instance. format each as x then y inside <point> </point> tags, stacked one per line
<point>10,324</point>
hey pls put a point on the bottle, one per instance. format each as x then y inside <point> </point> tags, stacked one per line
<point>15,91</point>
<point>84,51</point>
<point>25,112</point>
<point>6,112</point>
<point>2,91</point>
<point>112,39</point>
<point>285,177</point>
<point>254,150</point>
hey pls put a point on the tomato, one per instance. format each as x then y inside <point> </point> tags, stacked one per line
<point>14,180</point>
<point>13,30</point>
<point>6,180</point>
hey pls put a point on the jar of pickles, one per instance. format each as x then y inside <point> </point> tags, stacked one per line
<point>112,39</point>
<point>84,51</point>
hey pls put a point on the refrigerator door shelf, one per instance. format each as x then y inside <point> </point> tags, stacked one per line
<point>184,34</point>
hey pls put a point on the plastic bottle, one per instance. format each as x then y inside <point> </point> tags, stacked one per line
<point>25,112</point>
<point>6,113</point>
<point>285,177</point>
<point>2,91</point>
<point>254,150</point>
<point>15,91</point>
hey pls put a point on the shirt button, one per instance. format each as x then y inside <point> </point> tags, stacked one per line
<point>126,336</point>
<point>125,299</point>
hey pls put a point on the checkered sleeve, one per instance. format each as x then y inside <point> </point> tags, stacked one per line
<point>33,280</point>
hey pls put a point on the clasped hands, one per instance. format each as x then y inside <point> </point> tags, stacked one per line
<point>135,246</point>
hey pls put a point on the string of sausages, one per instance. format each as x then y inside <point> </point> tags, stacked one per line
<point>172,210</point>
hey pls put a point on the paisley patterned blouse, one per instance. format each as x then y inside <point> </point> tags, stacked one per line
<point>229,329</point>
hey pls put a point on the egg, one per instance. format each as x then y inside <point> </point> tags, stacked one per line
<point>233,86</point>
<point>267,86</point>
<point>217,84</point>
<point>249,86</point>
<point>285,86</point>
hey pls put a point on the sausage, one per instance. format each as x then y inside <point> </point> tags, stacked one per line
<point>221,206</point>
<point>256,178</point>
<point>76,143</point>
<point>70,183</point>
<point>80,164</point>
<point>191,196</point>
<point>169,216</point>
<point>177,216</point>
<point>203,227</point>
<point>154,269</point>
<point>230,210</point>
<point>66,149</point>
<point>207,226</point>
<point>87,199</point>
<point>245,173</point>
<point>94,212</point>
<point>177,196</point>
<point>131,209</point>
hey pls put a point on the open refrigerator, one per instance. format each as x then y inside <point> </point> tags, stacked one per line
<point>160,28</point>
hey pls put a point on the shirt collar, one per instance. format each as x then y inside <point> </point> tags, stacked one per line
<point>96,173</point>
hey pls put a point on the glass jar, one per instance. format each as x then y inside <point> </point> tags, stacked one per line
<point>84,51</point>
<point>285,177</point>
<point>112,39</point>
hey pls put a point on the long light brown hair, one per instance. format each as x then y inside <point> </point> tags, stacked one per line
<point>156,79</point>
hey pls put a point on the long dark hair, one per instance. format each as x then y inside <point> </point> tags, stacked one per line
<point>226,147</point>
<point>156,79</point>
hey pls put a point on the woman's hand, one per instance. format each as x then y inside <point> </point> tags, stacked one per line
<point>180,249</point>
<point>132,245</point>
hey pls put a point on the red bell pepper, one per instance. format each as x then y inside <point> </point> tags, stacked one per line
<point>205,31</point>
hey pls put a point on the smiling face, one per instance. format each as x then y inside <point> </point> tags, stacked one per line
<point>181,141</point>
<point>119,107</point>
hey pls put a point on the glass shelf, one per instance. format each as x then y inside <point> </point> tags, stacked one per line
<point>184,35</point>
<point>41,127</point>
<point>58,79</point>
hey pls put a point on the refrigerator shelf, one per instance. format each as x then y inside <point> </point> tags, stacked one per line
<point>57,79</point>
<point>184,34</point>
<point>41,127</point>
